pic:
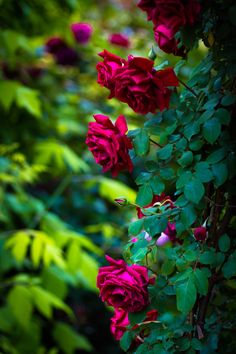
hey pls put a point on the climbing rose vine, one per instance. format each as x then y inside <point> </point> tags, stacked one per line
<point>173,290</point>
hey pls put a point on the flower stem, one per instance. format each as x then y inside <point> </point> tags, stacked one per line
<point>154,142</point>
<point>188,88</point>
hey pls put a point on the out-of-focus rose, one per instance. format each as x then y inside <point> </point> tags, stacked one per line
<point>162,240</point>
<point>55,44</point>
<point>142,87</point>
<point>168,17</point>
<point>162,199</point>
<point>107,68</point>
<point>119,39</point>
<point>200,233</point>
<point>123,286</point>
<point>109,144</point>
<point>62,53</point>
<point>119,322</point>
<point>82,32</point>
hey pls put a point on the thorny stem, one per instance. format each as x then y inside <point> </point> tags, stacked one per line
<point>154,142</point>
<point>188,88</point>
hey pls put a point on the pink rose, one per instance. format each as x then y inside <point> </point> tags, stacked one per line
<point>107,68</point>
<point>119,322</point>
<point>109,144</point>
<point>200,233</point>
<point>123,286</point>
<point>82,32</point>
<point>119,39</point>
<point>142,87</point>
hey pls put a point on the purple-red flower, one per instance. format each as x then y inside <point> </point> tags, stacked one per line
<point>123,286</point>
<point>82,32</point>
<point>109,144</point>
<point>62,53</point>
<point>119,39</point>
<point>119,322</point>
<point>136,82</point>
<point>168,17</point>
<point>200,233</point>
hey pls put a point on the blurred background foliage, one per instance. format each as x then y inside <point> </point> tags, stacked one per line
<point>57,212</point>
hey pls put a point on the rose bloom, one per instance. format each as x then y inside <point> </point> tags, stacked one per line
<point>123,286</point>
<point>109,144</point>
<point>62,53</point>
<point>136,82</point>
<point>200,233</point>
<point>82,32</point>
<point>119,39</point>
<point>168,17</point>
<point>120,321</point>
<point>107,68</point>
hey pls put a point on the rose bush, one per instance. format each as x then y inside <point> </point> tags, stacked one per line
<point>109,144</point>
<point>123,286</point>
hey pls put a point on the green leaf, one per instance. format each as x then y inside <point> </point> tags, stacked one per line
<point>68,340</point>
<point>28,98</point>
<point>8,92</point>
<point>126,340</point>
<point>141,142</point>
<point>216,156</point>
<point>228,100</point>
<point>165,152</point>
<point>186,295</point>
<point>201,281</point>
<point>224,243</point>
<point>20,302</point>
<point>229,268</point>
<point>144,196</point>
<point>185,177</point>
<point>196,344</point>
<point>136,227</point>
<point>207,257</point>
<point>220,172</point>
<point>191,129</point>
<point>186,159</point>
<point>157,185</point>
<point>167,173</point>
<point>223,116</point>
<point>202,172</point>
<point>194,190</point>
<point>211,130</point>
<point>188,215</point>
<point>139,255</point>
<point>167,267</point>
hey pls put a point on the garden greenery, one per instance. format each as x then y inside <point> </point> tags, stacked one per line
<point>163,132</point>
<point>180,259</point>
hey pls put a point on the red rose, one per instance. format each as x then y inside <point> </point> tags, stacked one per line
<point>168,17</point>
<point>123,286</point>
<point>119,39</point>
<point>163,199</point>
<point>143,88</point>
<point>107,68</point>
<point>200,233</point>
<point>109,144</point>
<point>119,322</point>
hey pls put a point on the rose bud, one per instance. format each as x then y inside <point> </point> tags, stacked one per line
<point>119,39</point>
<point>121,201</point>
<point>200,233</point>
<point>82,32</point>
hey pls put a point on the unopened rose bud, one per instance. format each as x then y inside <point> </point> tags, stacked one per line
<point>162,240</point>
<point>147,236</point>
<point>121,201</point>
<point>200,233</point>
<point>134,239</point>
